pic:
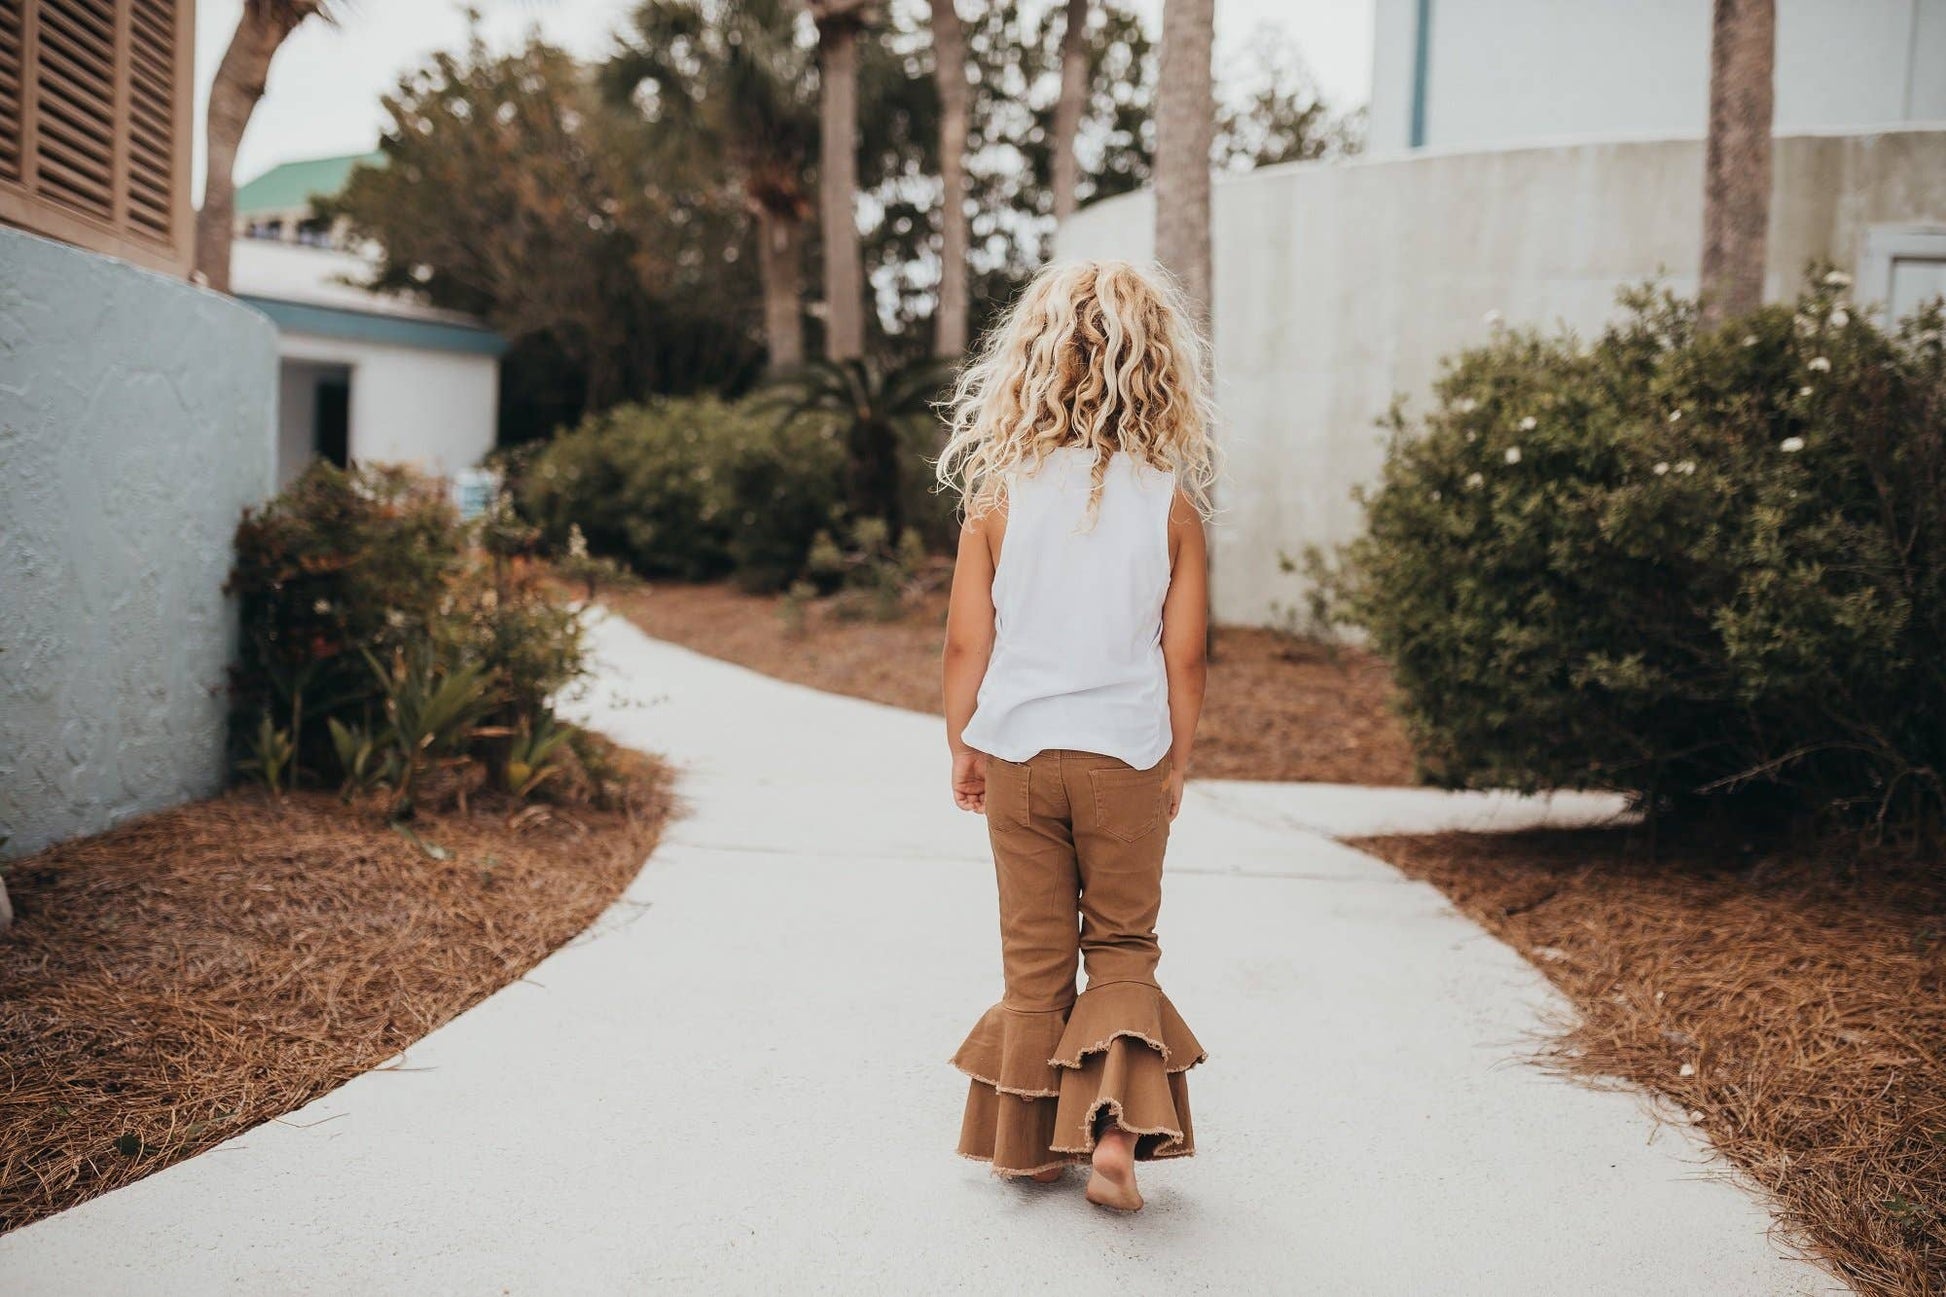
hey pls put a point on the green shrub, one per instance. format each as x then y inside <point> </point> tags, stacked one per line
<point>382,640</point>
<point>1678,563</point>
<point>337,565</point>
<point>699,488</point>
<point>694,488</point>
<point>784,482</point>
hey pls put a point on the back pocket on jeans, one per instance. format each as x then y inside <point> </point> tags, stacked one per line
<point>1006,795</point>
<point>1128,803</point>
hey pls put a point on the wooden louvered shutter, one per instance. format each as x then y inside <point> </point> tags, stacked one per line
<point>94,115</point>
<point>75,105</point>
<point>10,87</point>
<point>151,116</point>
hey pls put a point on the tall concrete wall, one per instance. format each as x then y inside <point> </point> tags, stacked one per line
<point>136,422</point>
<point>1508,72</point>
<point>1341,285</point>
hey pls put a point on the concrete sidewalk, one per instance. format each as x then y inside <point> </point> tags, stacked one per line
<point>736,1081</point>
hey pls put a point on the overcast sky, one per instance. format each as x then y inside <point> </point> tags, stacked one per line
<point>326,81</point>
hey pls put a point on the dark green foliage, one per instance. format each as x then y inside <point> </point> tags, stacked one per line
<point>693,489</point>
<point>514,190</point>
<point>1681,564</point>
<point>880,411</point>
<point>337,565</point>
<point>380,638</point>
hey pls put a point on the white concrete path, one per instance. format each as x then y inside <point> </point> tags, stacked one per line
<point>736,1082</point>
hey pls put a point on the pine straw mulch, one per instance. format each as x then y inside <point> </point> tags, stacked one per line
<point>1277,707</point>
<point>1790,1001</point>
<point>180,979</point>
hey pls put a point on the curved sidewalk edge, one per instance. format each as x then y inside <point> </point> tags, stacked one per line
<point>735,1082</point>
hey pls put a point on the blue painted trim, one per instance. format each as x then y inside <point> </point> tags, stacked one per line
<point>386,330</point>
<point>1421,69</point>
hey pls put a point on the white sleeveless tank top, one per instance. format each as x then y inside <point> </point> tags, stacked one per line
<point>1077,654</point>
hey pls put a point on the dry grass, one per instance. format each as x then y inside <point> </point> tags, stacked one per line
<point>1790,1002</point>
<point>185,977</point>
<point>1277,708</point>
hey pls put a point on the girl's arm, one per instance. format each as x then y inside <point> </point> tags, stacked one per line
<point>1185,632</point>
<point>969,643</point>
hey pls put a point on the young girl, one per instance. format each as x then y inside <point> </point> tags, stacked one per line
<point>1074,677</point>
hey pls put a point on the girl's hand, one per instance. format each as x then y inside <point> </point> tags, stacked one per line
<point>1176,776</point>
<point>970,781</point>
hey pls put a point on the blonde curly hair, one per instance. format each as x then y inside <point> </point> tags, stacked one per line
<point>1096,354</point>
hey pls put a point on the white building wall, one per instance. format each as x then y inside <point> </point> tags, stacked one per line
<point>1341,285</point>
<point>297,411</point>
<point>1517,72</point>
<point>434,410</point>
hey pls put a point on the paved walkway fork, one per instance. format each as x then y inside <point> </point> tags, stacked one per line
<point>736,1081</point>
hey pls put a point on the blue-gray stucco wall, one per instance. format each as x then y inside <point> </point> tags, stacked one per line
<point>137,418</point>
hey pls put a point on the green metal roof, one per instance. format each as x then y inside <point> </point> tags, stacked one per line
<point>391,330</point>
<point>295,184</point>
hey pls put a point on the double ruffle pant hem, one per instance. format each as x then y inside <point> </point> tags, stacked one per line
<point>1043,1079</point>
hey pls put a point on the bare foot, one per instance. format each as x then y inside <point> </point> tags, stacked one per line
<point>1050,1175</point>
<point>1113,1183</point>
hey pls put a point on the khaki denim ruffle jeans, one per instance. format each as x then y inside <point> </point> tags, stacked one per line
<point>1077,840</point>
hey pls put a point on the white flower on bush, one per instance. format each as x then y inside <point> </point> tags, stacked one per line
<point>1662,469</point>
<point>1840,318</point>
<point>321,607</point>
<point>1805,390</point>
<point>1513,454</point>
<point>1791,445</point>
<point>1465,405</point>
<point>1529,423</point>
<point>1837,279</point>
<point>1686,466</point>
<point>1675,416</point>
<point>1749,339</point>
<point>1804,325</point>
<point>1476,479</point>
<point>1818,364</point>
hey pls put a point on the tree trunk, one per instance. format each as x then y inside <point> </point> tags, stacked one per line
<point>233,96</point>
<point>877,475</point>
<point>844,279</point>
<point>949,69</point>
<point>1185,124</point>
<point>1736,164</point>
<point>1069,108</point>
<point>780,265</point>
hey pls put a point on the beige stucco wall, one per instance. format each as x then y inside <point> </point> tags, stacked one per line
<point>1339,285</point>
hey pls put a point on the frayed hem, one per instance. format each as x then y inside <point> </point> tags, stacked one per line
<point>1100,1046</point>
<point>1115,1112</point>
<point>1013,1173</point>
<point>1004,1089</point>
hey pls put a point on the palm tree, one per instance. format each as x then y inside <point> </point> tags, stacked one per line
<point>880,412</point>
<point>949,70</point>
<point>733,81</point>
<point>1736,164</point>
<point>233,96</point>
<point>840,23</point>
<point>1069,107</point>
<point>1185,125</point>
